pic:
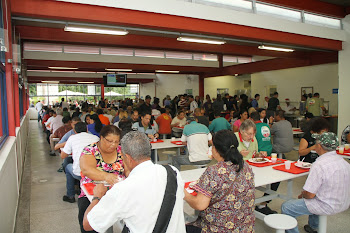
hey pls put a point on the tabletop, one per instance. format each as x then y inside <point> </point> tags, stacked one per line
<point>262,175</point>
<point>166,144</point>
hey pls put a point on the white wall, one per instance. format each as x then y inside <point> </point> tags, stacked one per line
<point>231,82</point>
<point>323,78</point>
<point>170,84</point>
<point>11,165</point>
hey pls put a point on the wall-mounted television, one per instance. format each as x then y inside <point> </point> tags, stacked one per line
<point>114,80</point>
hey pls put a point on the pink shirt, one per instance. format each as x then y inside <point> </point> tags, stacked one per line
<point>237,123</point>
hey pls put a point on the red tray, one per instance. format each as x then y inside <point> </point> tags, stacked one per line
<point>279,161</point>
<point>159,140</point>
<point>90,188</point>
<point>177,142</point>
<point>297,130</point>
<point>293,169</point>
<point>346,152</point>
<point>186,186</point>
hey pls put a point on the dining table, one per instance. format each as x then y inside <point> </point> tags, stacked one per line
<point>166,144</point>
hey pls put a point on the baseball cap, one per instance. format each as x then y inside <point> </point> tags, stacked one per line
<point>328,140</point>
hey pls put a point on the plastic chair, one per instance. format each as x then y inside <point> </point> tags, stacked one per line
<point>280,222</point>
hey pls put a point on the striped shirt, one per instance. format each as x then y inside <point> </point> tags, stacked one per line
<point>197,136</point>
<point>329,179</point>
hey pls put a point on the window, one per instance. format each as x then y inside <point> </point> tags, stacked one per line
<point>278,12</point>
<point>322,21</point>
<point>3,108</point>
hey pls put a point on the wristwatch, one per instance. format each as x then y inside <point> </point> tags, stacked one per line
<point>95,198</point>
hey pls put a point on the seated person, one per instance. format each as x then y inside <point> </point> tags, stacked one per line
<point>289,109</point>
<point>307,145</point>
<point>199,114</point>
<point>243,115</point>
<point>104,120</point>
<point>74,146</point>
<point>247,143</point>
<point>178,122</point>
<point>345,136</point>
<point>263,134</point>
<point>138,199</point>
<point>94,125</point>
<point>219,123</point>
<point>305,123</point>
<point>144,126</point>
<point>326,190</point>
<point>196,137</point>
<point>59,133</point>
<point>100,161</point>
<point>227,205</point>
<point>282,132</point>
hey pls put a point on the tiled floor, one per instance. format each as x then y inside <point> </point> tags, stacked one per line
<point>42,209</point>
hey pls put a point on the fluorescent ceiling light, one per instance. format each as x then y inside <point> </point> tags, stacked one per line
<point>86,82</point>
<point>38,70</point>
<point>275,48</point>
<point>167,71</point>
<point>85,72</point>
<point>96,30</point>
<point>50,81</point>
<point>122,70</point>
<point>62,68</point>
<point>200,40</point>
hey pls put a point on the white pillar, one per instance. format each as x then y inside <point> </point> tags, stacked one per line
<point>344,80</point>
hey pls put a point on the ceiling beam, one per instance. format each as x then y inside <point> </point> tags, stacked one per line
<point>124,17</point>
<point>58,35</point>
<point>276,64</point>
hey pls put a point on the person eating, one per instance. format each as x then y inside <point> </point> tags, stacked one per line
<point>226,191</point>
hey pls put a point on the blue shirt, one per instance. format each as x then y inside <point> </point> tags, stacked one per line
<point>66,136</point>
<point>139,127</point>
<point>91,129</point>
<point>219,124</point>
<point>255,103</point>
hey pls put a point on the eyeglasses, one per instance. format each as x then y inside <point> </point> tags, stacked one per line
<point>248,134</point>
<point>111,142</point>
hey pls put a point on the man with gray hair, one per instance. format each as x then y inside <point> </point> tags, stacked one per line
<point>197,138</point>
<point>326,190</point>
<point>138,199</point>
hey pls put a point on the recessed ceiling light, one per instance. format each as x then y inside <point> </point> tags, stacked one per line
<point>200,40</point>
<point>62,68</point>
<point>50,81</point>
<point>96,30</point>
<point>123,70</point>
<point>168,71</point>
<point>85,82</point>
<point>275,48</point>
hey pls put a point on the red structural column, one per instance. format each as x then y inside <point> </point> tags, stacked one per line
<point>102,91</point>
<point>201,85</point>
<point>9,75</point>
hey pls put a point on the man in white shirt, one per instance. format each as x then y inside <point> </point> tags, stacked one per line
<point>136,200</point>
<point>64,104</point>
<point>38,107</point>
<point>74,146</point>
<point>326,190</point>
<point>193,104</point>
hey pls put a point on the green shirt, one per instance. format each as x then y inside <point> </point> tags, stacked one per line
<point>263,136</point>
<point>219,124</point>
<point>253,146</point>
<point>313,105</point>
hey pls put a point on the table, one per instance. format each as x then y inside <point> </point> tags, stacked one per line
<point>297,131</point>
<point>263,176</point>
<point>165,145</point>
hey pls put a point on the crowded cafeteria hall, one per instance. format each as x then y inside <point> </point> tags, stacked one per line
<point>174,116</point>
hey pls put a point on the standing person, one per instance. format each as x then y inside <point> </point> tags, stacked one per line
<point>326,190</point>
<point>197,138</point>
<point>64,104</point>
<point>282,132</point>
<point>235,103</point>
<point>208,106</point>
<point>193,104</point>
<point>219,123</point>
<point>228,205</point>
<point>242,117</point>
<point>263,134</point>
<point>290,109</point>
<point>273,105</point>
<point>302,105</point>
<point>164,122</point>
<point>255,101</point>
<point>139,213</point>
<point>218,105</point>
<point>38,108</point>
<point>244,104</point>
<point>74,146</point>
<point>167,101</point>
<point>315,105</point>
<point>146,106</point>
<point>198,101</point>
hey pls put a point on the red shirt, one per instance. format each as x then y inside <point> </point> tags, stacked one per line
<point>104,120</point>
<point>61,131</point>
<point>164,122</point>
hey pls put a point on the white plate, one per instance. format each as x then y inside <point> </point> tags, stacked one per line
<point>252,161</point>
<point>303,166</point>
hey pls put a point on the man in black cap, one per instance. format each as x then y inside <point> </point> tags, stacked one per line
<point>146,106</point>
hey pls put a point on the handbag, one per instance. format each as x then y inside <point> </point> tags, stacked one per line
<point>168,203</point>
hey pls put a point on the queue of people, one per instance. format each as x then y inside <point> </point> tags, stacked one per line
<point>113,145</point>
